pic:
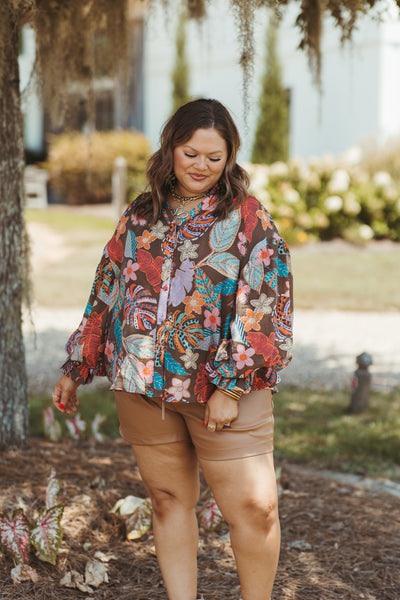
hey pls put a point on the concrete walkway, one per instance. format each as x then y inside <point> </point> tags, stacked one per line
<point>326,344</point>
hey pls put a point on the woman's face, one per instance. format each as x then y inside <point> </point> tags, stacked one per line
<point>199,162</point>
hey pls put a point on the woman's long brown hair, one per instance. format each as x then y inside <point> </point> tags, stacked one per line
<point>198,114</point>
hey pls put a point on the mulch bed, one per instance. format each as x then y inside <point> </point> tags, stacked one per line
<point>338,541</point>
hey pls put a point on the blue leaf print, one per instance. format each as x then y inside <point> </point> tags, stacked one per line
<point>282,248</point>
<point>117,329</point>
<point>110,296</point>
<point>130,245</point>
<point>172,365</point>
<point>238,332</point>
<point>282,268</point>
<point>254,273</point>
<point>271,278</point>
<point>224,263</point>
<point>140,346</point>
<point>206,289</point>
<point>158,381</point>
<point>223,233</point>
<point>225,333</point>
<point>210,339</point>
<point>131,377</point>
<point>226,287</point>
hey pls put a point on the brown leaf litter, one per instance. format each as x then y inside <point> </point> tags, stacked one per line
<point>338,541</point>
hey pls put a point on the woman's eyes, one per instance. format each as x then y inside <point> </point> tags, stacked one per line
<point>194,156</point>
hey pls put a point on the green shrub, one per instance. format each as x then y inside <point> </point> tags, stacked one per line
<point>324,199</point>
<point>272,134</point>
<point>80,166</point>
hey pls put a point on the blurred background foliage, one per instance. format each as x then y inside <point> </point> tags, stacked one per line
<point>354,197</point>
<point>80,166</point>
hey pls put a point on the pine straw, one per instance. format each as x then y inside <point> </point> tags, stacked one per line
<point>337,541</point>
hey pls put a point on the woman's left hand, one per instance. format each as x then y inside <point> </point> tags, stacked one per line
<point>64,395</point>
<point>221,410</point>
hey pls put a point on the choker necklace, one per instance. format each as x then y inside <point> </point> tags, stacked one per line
<point>183,199</point>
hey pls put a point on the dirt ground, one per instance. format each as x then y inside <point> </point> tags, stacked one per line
<point>337,541</point>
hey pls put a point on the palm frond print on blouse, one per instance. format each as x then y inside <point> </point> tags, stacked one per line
<point>179,309</point>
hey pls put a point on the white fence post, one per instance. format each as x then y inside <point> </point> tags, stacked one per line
<point>119,186</point>
<point>35,182</point>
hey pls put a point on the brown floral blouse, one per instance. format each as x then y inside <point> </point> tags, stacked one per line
<point>183,306</point>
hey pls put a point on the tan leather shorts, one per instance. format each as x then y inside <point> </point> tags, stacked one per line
<point>146,421</point>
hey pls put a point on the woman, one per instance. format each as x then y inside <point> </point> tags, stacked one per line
<point>190,319</point>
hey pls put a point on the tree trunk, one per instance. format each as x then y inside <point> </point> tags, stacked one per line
<point>13,247</point>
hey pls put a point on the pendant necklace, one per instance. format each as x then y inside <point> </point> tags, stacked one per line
<point>181,213</point>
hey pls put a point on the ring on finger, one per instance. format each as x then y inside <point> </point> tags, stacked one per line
<point>211,427</point>
<point>226,425</point>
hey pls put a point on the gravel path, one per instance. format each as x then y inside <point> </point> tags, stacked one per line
<point>326,344</point>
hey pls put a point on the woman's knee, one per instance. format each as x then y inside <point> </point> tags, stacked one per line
<point>166,502</point>
<point>260,514</point>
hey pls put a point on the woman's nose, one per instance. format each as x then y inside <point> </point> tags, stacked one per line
<point>200,163</point>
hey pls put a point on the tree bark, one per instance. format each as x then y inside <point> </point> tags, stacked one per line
<point>13,247</point>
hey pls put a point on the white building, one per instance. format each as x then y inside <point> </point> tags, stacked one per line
<point>360,82</point>
<point>31,105</point>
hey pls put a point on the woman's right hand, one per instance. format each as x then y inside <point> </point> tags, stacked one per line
<point>64,395</point>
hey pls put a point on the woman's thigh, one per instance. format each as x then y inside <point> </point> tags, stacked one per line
<point>242,483</point>
<point>169,471</point>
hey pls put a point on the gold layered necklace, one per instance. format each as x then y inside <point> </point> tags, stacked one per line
<point>181,213</point>
<point>183,199</point>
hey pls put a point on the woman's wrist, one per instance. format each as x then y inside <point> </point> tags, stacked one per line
<point>236,393</point>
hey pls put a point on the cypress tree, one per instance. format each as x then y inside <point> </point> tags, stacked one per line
<point>180,73</point>
<point>272,133</point>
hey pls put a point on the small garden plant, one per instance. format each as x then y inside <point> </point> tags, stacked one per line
<point>17,534</point>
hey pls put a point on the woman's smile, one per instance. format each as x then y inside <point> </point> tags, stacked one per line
<point>199,162</point>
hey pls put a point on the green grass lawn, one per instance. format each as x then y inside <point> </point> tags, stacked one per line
<point>336,276</point>
<point>66,282</point>
<point>310,428</point>
<point>318,429</point>
<point>100,401</point>
<point>327,276</point>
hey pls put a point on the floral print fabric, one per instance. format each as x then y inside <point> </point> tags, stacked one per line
<point>187,305</point>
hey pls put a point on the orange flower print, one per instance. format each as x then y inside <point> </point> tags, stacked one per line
<point>265,219</point>
<point>137,221</point>
<point>193,303</point>
<point>129,271</point>
<point>109,350</point>
<point>145,240</point>
<point>243,356</point>
<point>242,243</point>
<point>212,319</point>
<point>179,389</point>
<point>263,256</point>
<point>146,371</point>
<point>121,226</point>
<point>243,290</point>
<point>252,320</point>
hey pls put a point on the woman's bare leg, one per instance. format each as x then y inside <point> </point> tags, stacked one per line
<point>246,493</point>
<point>170,474</point>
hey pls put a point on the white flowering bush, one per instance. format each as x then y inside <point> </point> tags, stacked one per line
<point>324,198</point>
